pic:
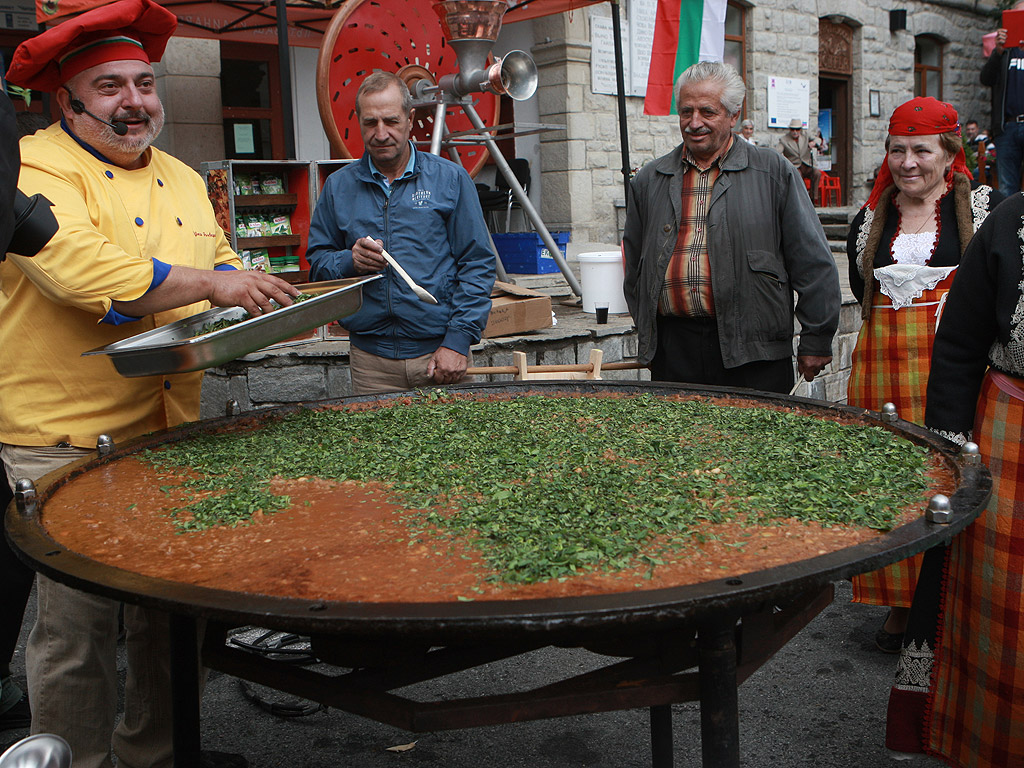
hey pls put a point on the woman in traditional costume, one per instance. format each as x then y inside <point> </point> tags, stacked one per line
<point>904,247</point>
<point>959,691</point>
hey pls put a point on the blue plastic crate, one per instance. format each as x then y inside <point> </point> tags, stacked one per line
<point>524,253</point>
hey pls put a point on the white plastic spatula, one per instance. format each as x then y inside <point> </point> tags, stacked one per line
<point>422,293</point>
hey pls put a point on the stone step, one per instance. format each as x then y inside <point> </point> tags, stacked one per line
<point>836,231</point>
<point>835,215</point>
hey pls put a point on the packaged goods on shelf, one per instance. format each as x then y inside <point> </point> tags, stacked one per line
<point>278,225</point>
<point>271,184</point>
<point>259,258</point>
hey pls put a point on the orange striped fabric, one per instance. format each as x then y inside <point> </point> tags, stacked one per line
<point>890,365</point>
<point>977,692</point>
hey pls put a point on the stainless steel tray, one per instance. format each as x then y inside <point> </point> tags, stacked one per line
<point>175,348</point>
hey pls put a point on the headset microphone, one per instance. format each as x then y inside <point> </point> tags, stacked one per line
<point>78,108</point>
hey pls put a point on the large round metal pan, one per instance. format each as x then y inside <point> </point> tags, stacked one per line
<point>616,613</point>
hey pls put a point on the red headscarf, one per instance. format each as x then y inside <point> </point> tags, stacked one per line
<point>923,116</point>
<point>135,30</point>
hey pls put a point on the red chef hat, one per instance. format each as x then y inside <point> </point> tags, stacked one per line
<point>923,116</point>
<point>135,30</point>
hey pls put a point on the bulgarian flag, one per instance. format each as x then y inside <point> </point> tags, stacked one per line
<point>685,32</point>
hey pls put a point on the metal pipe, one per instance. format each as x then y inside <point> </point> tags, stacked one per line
<point>620,84</point>
<point>285,67</point>
<point>524,201</point>
<point>438,132</point>
<point>499,268</point>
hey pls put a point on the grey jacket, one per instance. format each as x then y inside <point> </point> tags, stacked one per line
<point>764,241</point>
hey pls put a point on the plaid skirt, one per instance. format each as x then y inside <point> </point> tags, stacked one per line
<point>959,691</point>
<point>890,365</point>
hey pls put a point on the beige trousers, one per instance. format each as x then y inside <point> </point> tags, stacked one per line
<point>71,659</point>
<point>372,374</point>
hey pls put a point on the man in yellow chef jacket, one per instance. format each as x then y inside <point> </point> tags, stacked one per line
<point>137,247</point>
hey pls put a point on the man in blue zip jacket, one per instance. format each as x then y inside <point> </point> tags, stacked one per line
<point>425,211</point>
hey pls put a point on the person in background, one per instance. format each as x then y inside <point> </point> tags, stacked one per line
<point>796,147</point>
<point>747,131</point>
<point>426,212</point>
<point>718,236</point>
<point>978,141</point>
<point>904,247</point>
<point>1003,72</point>
<point>959,688</point>
<point>137,247</point>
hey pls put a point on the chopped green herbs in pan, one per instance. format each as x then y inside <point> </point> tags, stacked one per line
<point>547,486</point>
<point>219,325</point>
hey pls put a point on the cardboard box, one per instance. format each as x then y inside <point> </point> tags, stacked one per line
<point>517,310</point>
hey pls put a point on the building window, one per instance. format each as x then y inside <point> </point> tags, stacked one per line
<point>251,96</point>
<point>928,66</point>
<point>736,38</point>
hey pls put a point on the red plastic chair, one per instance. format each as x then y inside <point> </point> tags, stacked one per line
<point>827,186</point>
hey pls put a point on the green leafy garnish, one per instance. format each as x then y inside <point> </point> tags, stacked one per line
<point>546,487</point>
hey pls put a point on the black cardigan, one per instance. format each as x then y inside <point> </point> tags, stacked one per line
<point>977,320</point>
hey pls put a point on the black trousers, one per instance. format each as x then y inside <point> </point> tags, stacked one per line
<point>16,580</point>
<point>688,351</point>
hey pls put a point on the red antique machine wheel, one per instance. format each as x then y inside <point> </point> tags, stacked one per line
<point>400,36</point>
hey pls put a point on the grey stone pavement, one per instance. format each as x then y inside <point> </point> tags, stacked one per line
<point>818,703</point>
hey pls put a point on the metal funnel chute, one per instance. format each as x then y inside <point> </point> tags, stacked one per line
<point>471,27</point>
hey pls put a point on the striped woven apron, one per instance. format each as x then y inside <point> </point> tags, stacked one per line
<point>890,365</point>
<point>964,701</point>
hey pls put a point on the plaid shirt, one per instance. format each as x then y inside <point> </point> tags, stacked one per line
<point>686,291</point>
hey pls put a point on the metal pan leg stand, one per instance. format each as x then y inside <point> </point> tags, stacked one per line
<point>661,736</point>
<point>185,690</point>
<point>719,694</point>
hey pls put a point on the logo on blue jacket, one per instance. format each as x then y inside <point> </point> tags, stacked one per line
<point>421,198</point>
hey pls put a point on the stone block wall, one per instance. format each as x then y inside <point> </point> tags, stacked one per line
<point>188,81</point>
<point>319,370</point>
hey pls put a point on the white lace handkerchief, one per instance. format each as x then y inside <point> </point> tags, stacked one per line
<point>903,283</point>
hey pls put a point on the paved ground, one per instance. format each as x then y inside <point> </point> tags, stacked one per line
<point>819,703</point>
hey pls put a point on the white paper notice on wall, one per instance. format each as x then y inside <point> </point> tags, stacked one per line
<point>602,55</point>
<point>641,43</point>
<point>788,97</point>
<point>18,14</point>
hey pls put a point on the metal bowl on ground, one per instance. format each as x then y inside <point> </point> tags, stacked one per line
<point>43,750</point>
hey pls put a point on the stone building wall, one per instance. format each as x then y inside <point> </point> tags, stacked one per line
<point>581,167</point>
<point>188,81</point>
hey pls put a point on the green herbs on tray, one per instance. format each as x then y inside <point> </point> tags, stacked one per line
<point>226,322</point>
<point>548,486</point>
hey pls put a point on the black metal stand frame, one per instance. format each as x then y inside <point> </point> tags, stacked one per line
<point>723,650</point>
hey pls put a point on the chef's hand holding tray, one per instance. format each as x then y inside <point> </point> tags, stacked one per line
<point>223,334</point>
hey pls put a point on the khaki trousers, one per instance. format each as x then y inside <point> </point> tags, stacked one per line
<point>71,659</point>
<point>372,374</point>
